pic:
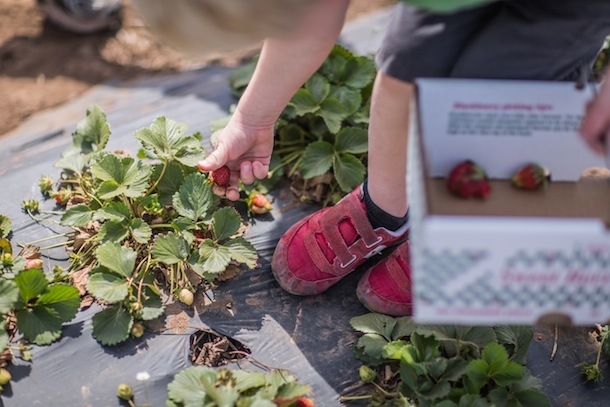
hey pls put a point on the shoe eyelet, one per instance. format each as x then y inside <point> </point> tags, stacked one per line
<point>375,243</point>
<point>348,263</point>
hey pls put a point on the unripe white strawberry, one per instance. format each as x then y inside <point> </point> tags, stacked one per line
<point>137,330</point>
<point>186,296</point>
<point>5,376</point>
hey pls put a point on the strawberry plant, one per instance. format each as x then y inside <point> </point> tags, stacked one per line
<point>31,306</point>
<point>321,136</point>
<point>410,364</point>
<point>204,386</point>
<point>142,227</point>
<point>592,371</point>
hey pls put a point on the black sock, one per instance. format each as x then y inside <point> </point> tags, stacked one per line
<point>380,218</point>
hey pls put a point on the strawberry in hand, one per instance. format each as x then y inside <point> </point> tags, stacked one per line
<point>221,176</point>
<point>468,180</point>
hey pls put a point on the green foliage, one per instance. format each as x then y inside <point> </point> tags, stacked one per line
<point>445,6</point>
<point>42,308</point>
<point>5,226</point>
<point>142,220</point>
<point>445,365</point>
<point>323,130</point>
<point>202,386</point>
<point>593,372</point>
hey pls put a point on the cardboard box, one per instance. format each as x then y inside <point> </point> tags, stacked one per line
<point>519,257</point>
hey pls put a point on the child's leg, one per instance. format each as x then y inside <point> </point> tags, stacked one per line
<point>387,157</point>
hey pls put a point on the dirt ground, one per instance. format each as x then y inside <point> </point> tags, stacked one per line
<point>42,66</point>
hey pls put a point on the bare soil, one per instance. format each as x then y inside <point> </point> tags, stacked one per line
<point>42,66</point>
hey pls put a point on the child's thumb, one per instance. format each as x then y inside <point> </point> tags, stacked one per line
<point>213,161</point>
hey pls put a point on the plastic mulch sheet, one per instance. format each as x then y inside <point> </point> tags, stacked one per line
<point>309,336</point>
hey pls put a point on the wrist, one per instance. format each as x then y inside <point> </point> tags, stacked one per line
<point>254,120</point>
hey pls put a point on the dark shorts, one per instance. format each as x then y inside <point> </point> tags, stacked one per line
<point>514,39</point>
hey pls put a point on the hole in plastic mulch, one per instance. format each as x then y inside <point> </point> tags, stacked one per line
<point>211,349</point>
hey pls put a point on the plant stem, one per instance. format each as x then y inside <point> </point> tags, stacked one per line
<point>53,246</point>
<point>599,351</point>
<point>160,225</point>
<point>40,220</point>
<point>44,238</point>
<point>52,212</point>
<point>355,398</point>
<point>156,183</point>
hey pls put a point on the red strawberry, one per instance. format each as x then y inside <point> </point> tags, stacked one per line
<point>304,402</point>
<point>468,180</point>
<point>220,176</point>
<point>530,176</point>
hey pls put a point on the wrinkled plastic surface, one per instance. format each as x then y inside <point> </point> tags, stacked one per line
<point>310,336</point>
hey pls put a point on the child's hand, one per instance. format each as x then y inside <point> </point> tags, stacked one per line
<point>595,127</point>
<point>246,150</point>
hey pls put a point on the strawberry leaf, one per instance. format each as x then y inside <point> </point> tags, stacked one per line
<point>214,259</point>
<point>194,198</point>
<point>167,140</point>
<point>121,176</point>
<point>352,140</point>
<point>374,323</point>
<point>334,66</point>
<point>9,293</point>
<point>112,325</point>
<point>32,283</point>
<point>114,211</point>
<point>5,246</point>
<point>242,251</point>
<point>304,102</point>
<point>245,380</point>
<point>319,88</point>
<point>112,231</point>
<point>226,222</point>
<point>5,226</point>
<point>360,71</point>
<point>333,113</point>
<point>292,391</point>
<point>317,159</point>
<point>64,299</point>
<point>74,162</point>
<point>170,249</point>
<point>517,338</point>
<point>350,98</point>
<point>117,258</point>
<point>107,286</point>
<point>190,387</point>
<point>170,183</point>
<point>4,338</point>
<point>152,305</point>
<point>93,132</point>
<point>181,224</point>
<point>77,215</point>
<point>140,231</point>
<point>349,172</point>
<point>39,324</point>
<point>531,397</point>
<point>369,348</point>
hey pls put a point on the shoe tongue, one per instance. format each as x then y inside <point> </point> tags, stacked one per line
<point>349,234</point>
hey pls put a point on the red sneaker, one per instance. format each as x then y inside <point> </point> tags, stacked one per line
<point>325,246</point>
<point>386,287</point>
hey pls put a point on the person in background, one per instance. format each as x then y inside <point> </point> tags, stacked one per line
<point>514,39</point>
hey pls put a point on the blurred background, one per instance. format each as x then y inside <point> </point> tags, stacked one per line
<point>54,50</point>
